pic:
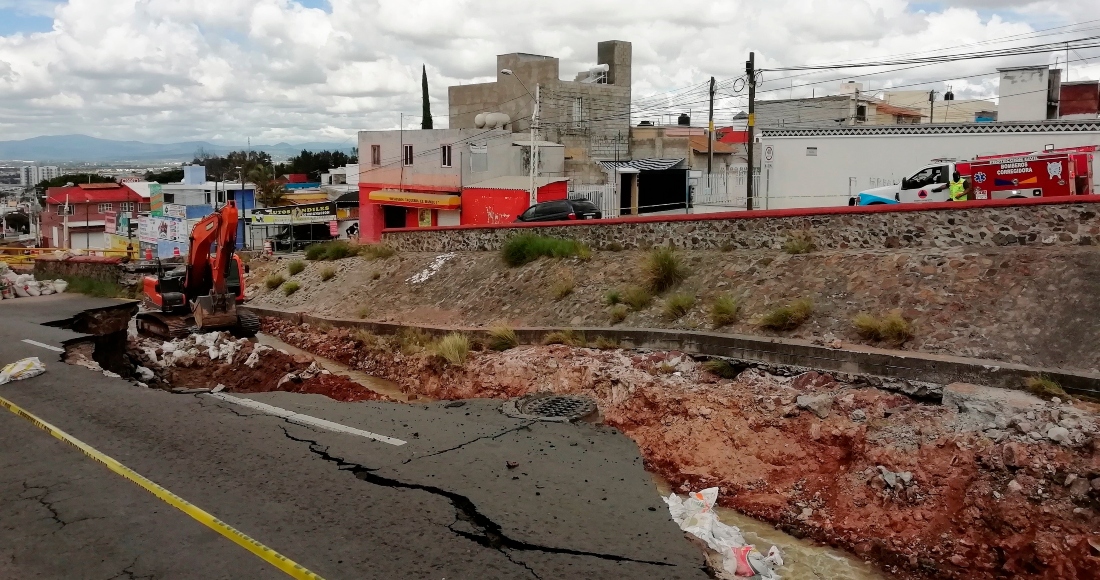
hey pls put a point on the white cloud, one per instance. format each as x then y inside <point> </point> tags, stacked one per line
<point>274,70</point>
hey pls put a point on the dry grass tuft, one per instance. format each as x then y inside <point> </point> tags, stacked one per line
<point>295,267</point>
<point>328,274</point>
<point>502,338</point>
<point>723,311</point>
<point>453,348</point>
<point>717,366</point>
<point>663,270</point>
<point>376,251</point>
<point>291,287</point>
<point>637,298</point>
<point>566,337</point>
<point>363,312</point>
<point>678,305</point>
<point>564,285</point>
<point>612,297</point>
<point>604,343</point>
<point>1044,387</point>
<point>892,328</point>
<point>274,281</point>
<point>799,242</point>
<point>789,316</point>
<point>617,313</point>
<point>413,340</point>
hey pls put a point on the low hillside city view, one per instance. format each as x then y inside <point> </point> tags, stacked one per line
<point>326,289</point>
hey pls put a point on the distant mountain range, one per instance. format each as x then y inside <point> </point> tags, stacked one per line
<point>79,148</point>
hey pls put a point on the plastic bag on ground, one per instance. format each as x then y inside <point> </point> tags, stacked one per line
<point>22,369</point>
<point>696,516</point>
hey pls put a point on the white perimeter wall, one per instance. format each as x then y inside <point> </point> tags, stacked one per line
<point>791,179</point>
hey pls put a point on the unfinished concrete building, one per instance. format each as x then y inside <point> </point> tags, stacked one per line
<point>589,115</point>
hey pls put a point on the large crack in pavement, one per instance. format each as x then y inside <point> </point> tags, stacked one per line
<point>491,533</point>
<point>460,446</point>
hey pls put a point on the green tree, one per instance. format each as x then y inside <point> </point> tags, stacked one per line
<point>74,178</point>
<point>314,164</point>
<point>426,121</point>
<point>269,191</point>
<point>170,176</point>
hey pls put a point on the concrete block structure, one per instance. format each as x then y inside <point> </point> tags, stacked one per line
<point>1029,93</point>
<point>589,116</point>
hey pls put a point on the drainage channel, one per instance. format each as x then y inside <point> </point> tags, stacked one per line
<point>802,559</point>
<point>376,384</point>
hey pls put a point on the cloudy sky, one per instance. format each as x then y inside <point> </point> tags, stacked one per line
<point>298,70</point>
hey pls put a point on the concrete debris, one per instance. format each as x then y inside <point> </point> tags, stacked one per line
<point>144,374</point>
<point>858,415</point>
<point>895,480</point>
<point>820,405</point>
<point>1059,435</point>
<point>218,388</point>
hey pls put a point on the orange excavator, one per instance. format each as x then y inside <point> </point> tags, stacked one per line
<point>202,294</point>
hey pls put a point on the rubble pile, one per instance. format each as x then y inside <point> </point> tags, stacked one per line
<point>987,483</point>
<point>14,285</point>
<point>217,359</point>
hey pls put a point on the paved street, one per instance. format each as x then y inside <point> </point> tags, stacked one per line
<point>443,505</point>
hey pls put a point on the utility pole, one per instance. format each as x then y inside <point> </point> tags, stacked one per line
<point>750,70</point>
<point>710,131</point>
<point>534,151</point>
<point>931,106</point>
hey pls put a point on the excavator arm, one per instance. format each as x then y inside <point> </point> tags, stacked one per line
<point>211,302</point>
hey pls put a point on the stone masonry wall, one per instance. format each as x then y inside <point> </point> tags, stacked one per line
<point>102,269</point>
<point>991,224</point>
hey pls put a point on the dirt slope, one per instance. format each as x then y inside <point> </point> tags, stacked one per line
<point>1032,305</point>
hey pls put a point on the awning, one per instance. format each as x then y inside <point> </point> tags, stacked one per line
<point>411,199</point>
<point>653,164</point>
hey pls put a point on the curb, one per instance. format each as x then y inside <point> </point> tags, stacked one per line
<point>925,367</point>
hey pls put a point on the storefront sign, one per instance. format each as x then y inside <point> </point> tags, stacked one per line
<point>295,214</point>
<point>110,221</point>
<point>156,200</point>
<point>175,210</point>
<point>409,199</point>
<point>334,228</point>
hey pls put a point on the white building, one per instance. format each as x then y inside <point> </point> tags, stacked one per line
<point>825,166</point>
<point>32,174</point>
<point>1029,93</point>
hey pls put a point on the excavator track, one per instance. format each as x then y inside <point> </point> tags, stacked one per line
<point>164,326</point>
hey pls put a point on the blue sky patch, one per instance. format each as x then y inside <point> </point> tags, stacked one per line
<point>13,20</point>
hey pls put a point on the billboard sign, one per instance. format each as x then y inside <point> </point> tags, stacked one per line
<point>295,214</point>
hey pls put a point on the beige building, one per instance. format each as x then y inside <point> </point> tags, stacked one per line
<point>852,107</point>
<point>956,111</point>
<point>589,115</point>
<point>684,142</point>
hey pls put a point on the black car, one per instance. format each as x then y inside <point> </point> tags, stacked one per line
<point>561,210</point>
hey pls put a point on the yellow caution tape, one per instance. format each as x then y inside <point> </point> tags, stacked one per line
<point>270,556</point>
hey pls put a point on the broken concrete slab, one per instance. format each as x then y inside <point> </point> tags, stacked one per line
<point>969,397</point>
<point>820,405</point>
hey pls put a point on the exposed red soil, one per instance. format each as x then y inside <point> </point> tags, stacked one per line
<point>973,509</point>
<point>201,372</point>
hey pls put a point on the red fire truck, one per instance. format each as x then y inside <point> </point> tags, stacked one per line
<point>1054,172</point>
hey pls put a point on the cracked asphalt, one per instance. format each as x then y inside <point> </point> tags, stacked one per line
<point>445,505</point>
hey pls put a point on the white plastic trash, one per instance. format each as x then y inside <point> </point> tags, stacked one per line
<point>696,516</point>
<point>22,369</point>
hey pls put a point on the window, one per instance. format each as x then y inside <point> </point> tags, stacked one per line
<point>126,206</point>
<point>445,154</point>
<point>926,177</point>
<point>811,152</point>
<point>61,210</point>
<point>104,207</point>
<point>578,112</point>
<point>376,155</point>
<point>479,158</point>
<point>861,112</point>
<point>169,198</point>
<point>407,156</point>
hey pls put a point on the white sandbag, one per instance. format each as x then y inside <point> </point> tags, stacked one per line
<point>696,516</point>
<point>20,291</point>
<point>32,288</point>
<point>22,369</point>
<point>60,286</point>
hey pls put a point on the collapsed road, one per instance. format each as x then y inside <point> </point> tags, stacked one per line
<point>442,490</point>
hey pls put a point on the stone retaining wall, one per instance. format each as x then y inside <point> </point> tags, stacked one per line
<point>941,225</point>
<point>102,269</point>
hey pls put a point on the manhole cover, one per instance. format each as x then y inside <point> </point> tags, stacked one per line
<point>550,407</point>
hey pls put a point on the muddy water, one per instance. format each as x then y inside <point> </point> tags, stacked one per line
<point>802,559</point>
<point>381,386</point>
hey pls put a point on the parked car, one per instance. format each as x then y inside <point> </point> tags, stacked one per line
<point>561,210</point>
<point>300,236</point>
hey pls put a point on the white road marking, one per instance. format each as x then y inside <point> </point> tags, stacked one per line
<point>305,419</point>
<point>36,343</point>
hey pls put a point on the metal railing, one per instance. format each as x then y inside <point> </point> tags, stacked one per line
<point>603,196</point>
<point>723,191</point>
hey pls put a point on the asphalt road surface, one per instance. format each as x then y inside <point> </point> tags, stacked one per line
<point>444,505</point>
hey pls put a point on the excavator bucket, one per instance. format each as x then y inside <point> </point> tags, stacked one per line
<point>215,311</point>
